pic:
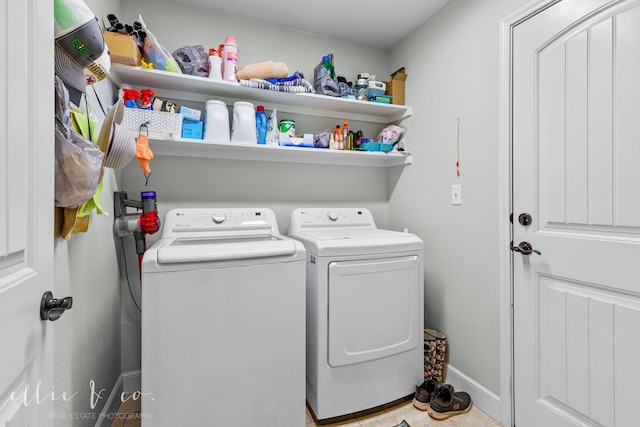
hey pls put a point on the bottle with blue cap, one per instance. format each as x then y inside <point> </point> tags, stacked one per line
<point>261,125</point>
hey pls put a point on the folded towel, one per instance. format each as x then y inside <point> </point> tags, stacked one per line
<point>294,83</point>
<point>263,70</point>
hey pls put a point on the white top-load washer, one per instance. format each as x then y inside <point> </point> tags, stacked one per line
<point>364,310</point>
<point>223,313</point>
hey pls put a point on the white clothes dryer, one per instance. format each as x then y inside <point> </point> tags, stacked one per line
<point>223,302</point>
<point>364,310</point>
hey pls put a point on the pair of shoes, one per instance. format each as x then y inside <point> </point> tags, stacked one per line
<point>422,396</point>
<point>446,403</point>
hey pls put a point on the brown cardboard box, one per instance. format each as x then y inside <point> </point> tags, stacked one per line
<point>395,87</point>
<point>122,48</point>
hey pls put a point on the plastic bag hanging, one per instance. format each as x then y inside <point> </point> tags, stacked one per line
<point>143,152</point>
<point>78,163</point>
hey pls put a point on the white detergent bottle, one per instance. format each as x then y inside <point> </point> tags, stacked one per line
<point>230,59</point>
<point>243,127</point>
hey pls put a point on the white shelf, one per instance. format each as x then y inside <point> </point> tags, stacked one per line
<point>183,86</point>
<point>274,153</point>
<point>193,88</point>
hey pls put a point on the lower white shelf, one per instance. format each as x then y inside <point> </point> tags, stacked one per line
<point>274,153</point>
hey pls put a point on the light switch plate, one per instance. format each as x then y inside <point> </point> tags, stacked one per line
<point>456,194</point>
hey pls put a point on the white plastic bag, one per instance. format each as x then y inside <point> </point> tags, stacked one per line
<point>157,54</point>
<point>78,163</point>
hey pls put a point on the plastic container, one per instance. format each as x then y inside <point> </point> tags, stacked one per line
<point>230,59</point>
<point>215,65</point>
<point>216,122</point>
<point>362,89</point>
<point>273,131</point>
<point>337,137</point>
<point>161,125</point>
<point>287,130</point>
<point>345,136</point>
<point>261,125</point>
<point>243,128</point>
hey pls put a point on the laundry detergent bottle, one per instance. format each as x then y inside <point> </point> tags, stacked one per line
<point>230,59</point>
<point>261,125</point>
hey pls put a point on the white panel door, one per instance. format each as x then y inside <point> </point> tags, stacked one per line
<point>26,211</point>
<point>576,171</point>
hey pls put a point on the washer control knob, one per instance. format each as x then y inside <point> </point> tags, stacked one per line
<point>218,218</point>
<point>332,216</point>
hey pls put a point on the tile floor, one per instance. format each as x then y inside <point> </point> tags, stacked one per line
<point>385,418</point>
<point>414,417</point>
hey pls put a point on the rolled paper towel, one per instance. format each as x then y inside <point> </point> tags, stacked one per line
<point>264,70</point>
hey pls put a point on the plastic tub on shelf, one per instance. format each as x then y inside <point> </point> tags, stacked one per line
<point>160,124</point>
<point>375,146</point>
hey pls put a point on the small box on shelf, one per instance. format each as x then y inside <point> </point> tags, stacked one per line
<point>192,130</point>
<point>122,48</point>
<point>395,87</point>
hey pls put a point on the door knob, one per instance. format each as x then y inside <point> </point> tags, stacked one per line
<point>524,248</point>
<point>52,308</point>
<point>525,219</point>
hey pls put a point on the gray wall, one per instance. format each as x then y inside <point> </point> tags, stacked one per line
<point>453,64</point>
<point>282,187</point>
<point>176,25</point>
<point>87,338</point>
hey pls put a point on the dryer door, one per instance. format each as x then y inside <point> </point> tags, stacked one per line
<point>373,309</point>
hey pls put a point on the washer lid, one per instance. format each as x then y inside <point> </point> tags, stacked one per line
<point>195,249</point>
<point>332,242</point>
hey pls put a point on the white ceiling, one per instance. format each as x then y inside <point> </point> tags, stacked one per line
<point>373,24</point>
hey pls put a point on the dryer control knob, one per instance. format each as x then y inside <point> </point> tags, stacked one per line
<point>333,216</point>
<point>218,219</point>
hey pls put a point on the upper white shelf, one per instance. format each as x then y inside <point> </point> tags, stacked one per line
<point>183,86</point>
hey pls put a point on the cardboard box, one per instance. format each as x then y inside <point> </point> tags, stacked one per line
<point>122,48</point>
<point>191,129</point>
<point>395,87</point>
<point>190,113</point>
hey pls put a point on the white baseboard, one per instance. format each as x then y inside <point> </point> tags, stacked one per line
<point>481,397</point>
<point>128,382</point>
<point>131,381</point>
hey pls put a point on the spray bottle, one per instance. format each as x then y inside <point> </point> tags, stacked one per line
<point>130,96</point>
<point>147,96</point>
